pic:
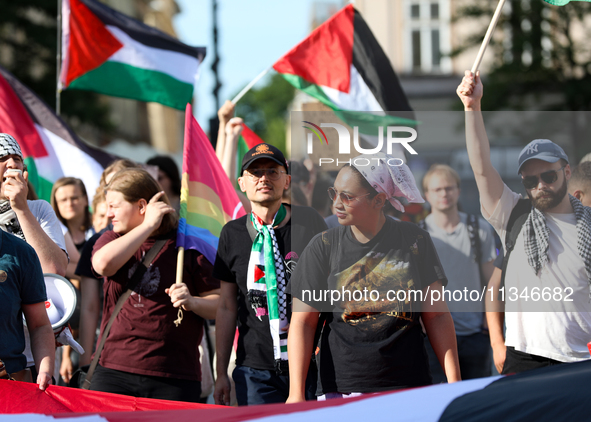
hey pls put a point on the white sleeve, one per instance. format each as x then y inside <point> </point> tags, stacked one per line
<point>48,221</point>
<point>500,216</point>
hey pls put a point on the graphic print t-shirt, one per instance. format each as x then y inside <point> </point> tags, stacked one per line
<point>370,341</point>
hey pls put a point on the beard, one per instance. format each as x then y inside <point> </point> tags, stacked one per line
<point>551,199</point>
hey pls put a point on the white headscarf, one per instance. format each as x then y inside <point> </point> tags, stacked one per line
<point>389,175</point>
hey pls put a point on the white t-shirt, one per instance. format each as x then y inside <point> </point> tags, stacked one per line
<point>555,322</point>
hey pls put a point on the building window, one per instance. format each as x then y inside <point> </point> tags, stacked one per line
<point>416,50</point>
<point>428,36</point>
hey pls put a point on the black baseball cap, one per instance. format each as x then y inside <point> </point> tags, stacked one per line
<point>263,151</point>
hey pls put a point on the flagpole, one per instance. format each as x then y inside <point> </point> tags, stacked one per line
<point>250,85</point>
<point>59,58</point>
<point>488,36</point>
<point>180,262</point>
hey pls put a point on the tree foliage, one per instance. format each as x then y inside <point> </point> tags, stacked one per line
<point>542,57</point>
<point>265,110</point>
<point>28,49</point>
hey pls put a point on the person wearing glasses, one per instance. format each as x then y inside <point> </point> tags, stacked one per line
<point>551,254</point>
<point>367,285</point>
<point>255,259</point>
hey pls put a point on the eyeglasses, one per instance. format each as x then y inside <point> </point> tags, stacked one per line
<point>346,199</point>
<point>272,174</point>
<point>548,177</point>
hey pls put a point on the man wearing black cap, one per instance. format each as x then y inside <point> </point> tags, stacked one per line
<point>256,256</point>
<point>548,274</point>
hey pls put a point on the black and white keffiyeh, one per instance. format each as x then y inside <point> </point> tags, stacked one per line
<point>8,221</point>
<point>9,146</point>
<point>536,235</point>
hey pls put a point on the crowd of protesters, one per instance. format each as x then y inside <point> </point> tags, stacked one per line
<point>277,338</point>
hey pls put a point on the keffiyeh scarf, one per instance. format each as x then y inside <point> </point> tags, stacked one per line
<point>391,176</point>
<point>8,221</point>
<point>536,235</point>
<point>266,281</point>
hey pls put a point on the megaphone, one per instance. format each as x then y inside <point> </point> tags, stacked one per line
<point>61,300</point>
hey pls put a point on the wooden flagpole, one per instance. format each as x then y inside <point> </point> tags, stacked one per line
<point>250,85</point>
<point>488,36</point>
<point>180,262</point>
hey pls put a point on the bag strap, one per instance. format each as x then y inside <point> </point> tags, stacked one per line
<point>516,221</point>
<point>133,282</point>
<point>252,232</point>
<point>476,244</point>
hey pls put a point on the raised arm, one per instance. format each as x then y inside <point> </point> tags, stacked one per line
<point>225,113</point>
<point>488,180</point>
<point>53,258</point>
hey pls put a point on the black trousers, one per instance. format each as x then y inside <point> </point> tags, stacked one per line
<point>128,384</point>
<point>516,361</point>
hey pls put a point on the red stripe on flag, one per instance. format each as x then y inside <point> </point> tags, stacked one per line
<point>91,43</point>
<point>250,138</point>
<point>325,57</point>
<point>16,121</point>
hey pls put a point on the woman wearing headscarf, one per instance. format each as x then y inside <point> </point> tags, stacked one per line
<point>365,286</point>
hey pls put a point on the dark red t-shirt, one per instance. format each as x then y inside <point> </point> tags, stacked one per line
<point>144,339</point>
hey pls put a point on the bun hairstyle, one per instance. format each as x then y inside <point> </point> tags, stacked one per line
<point>135,184</point>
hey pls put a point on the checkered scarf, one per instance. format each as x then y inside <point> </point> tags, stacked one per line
<point>8,221</point>
<point>536,236</point>
<point>266,281</point>
<point>9,146</point>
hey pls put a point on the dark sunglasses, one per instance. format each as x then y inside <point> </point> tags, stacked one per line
<point>548,177</point>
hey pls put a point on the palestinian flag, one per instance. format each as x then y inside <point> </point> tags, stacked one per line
<point>248,139</point>
<point>562,2</point>
<point>110,53</point>
<point>50,149</point>
<point>342,65</point>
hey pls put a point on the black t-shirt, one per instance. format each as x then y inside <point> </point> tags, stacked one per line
<point>375,344</point>
<point>255,346</point>
<point>84,267</point>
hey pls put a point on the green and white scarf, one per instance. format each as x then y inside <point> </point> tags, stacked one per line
<point>266,281</point>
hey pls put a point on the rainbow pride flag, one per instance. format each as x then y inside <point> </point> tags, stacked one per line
<point>208,199</point>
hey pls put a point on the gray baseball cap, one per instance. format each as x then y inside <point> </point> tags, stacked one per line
<point>541,149</point>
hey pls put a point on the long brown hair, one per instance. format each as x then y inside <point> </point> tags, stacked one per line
<point>135,184</point>
<point>66,181</point>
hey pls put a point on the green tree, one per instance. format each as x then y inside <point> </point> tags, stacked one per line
<point>542,58</point>
<point>265,110</point>
<point>28,49</point>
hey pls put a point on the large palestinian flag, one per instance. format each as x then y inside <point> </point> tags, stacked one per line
<point>342,65</point>
<point>110,53</point>
<point>50,149</point>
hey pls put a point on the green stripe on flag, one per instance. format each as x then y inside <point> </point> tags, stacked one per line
<point>42,186</point>
<point>562,2</point>
<point>367,122</point>
<point>123,80</point>
<point>199,220</point>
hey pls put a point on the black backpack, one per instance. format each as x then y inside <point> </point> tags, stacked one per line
<point>516,220</point>
<point>474,235</point>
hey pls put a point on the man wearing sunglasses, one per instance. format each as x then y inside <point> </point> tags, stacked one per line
<point>550,256</point>
<point>256,256</point>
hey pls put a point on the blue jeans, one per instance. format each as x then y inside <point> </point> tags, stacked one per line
<point>474,353</point>
<point>259,386</point>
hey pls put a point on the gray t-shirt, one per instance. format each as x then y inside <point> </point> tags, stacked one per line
<point>455,252</point>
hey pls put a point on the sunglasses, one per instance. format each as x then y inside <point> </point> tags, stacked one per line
<point>272,174</point>
<point>548,177</point>
<point>345,198</point>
